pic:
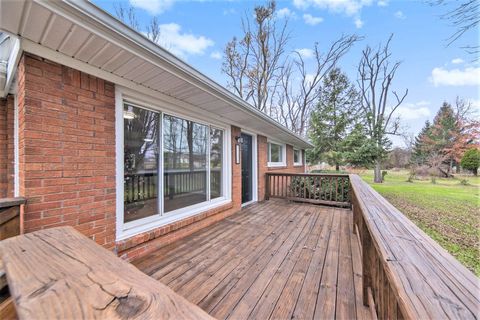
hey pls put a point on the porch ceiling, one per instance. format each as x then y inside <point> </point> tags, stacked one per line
<point>82,31</point>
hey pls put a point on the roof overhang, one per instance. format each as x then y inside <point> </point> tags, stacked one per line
<point>9,56</point>
<point>81,35</point>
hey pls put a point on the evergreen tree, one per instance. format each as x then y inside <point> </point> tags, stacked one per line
<point>471,160</point>
<point>420,147</point>
<point>332,118</point>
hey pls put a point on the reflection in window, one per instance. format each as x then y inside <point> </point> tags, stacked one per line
<point>141,128</point>
<point>185,163</point>
<point>275,152</point>
<point>216,159</point>
<point>297,159</point>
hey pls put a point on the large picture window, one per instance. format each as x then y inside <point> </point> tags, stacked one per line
<point>191,168</point>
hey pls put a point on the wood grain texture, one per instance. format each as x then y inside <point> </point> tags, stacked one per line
<point>60,274</point>
<point>268,261</point>
<point>409,274</point>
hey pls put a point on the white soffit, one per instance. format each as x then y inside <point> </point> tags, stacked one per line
<point>82,31</point>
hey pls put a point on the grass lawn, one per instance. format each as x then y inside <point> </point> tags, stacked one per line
<point>447,210</point>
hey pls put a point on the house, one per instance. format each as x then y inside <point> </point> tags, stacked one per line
<point>107,132</point>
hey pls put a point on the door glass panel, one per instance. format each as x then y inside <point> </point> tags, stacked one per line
<point>141,128</point>
<point>246,168</point>
<point>185,163</point>
<point>216,162</point>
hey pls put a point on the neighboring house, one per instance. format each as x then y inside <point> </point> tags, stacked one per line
<point>103,130</point>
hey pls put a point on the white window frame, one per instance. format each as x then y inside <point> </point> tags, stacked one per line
<point>132,228</point>
<point>282,163</point>
<point>298,164</point>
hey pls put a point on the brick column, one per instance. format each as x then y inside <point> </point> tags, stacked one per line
<point>66,149</point>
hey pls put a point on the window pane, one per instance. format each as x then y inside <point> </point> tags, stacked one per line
<point>185,163</point>
<point>275,153</point>
<point>296,156</point>
<point>140,163</point>
<point>216,162</point>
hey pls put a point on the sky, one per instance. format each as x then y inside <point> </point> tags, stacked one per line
<point>432,71</point>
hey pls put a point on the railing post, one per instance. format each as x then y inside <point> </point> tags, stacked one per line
<point>267,186</point>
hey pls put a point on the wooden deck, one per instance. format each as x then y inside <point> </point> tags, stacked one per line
<point>276,259</point>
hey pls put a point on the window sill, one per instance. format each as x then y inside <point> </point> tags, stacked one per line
<point>276,164</point>
<point>298,164</point>
<point>156,221</point>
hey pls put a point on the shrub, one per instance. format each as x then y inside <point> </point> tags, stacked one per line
<point>433,179</point>
<point>471,160</point>
<point>321,188</point>
<point>464,182</point>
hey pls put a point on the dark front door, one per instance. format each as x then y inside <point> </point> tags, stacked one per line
<point>246,168</point>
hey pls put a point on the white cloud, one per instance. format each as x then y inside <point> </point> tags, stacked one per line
<point>285,13</point>
<point>400,15</point>
<point>217,55</point>
<point>226,12</point>
<point>311,20</point>
<point>305,53</point>
<point>358,23</point>
<point>413,111</point>
<point>382,3</point>
<point>348,7</point>
<point>309,78</point>
<point>457,61</point>
<point>154,7</point>
<point>182,44</point>
<point>455,77</point>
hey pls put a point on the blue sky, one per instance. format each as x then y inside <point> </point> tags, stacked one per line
<point>197,32</point>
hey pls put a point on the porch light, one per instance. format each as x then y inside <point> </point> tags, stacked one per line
<point>239,139</point>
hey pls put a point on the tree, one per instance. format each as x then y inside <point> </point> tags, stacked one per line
<point>128,15</point>
<point>464,17</point>
<point>421,147</point>
<point>261,69</point>
<point>253,63</point>
<point>359,150</point>
<point>376,75</point>
<point>471,160</point>
<point>333,117</point>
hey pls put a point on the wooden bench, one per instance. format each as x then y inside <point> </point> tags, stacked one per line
<point>405,273</point>
<point>60,274</point>
<point>10,214</point>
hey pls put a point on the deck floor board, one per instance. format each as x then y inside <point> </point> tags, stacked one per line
<point>272,260</point>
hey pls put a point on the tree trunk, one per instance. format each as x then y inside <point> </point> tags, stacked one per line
<point>475,172</point>
<point>377,173</point>
<point>337,167</point>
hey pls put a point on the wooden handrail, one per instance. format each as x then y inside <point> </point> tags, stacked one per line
<point>409,274</point>
<point>60,274</point>
<point>326,189</point>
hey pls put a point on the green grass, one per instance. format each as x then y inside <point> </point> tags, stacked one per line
<point>447,210</point>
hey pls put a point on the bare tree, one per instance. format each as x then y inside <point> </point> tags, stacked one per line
<point>464,17</point>
<point>253,63</point>
<point>296,99</point>
<point>376,74</point>
<point>127,15</point>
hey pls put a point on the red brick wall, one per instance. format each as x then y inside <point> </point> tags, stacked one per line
<point>6,147</point>
<point>263,164</point>
<point>66,149</point>
<point>144,243</point>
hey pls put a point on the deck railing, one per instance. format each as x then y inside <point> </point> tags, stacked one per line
<point>406,275</point>
<point>327,189</point>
